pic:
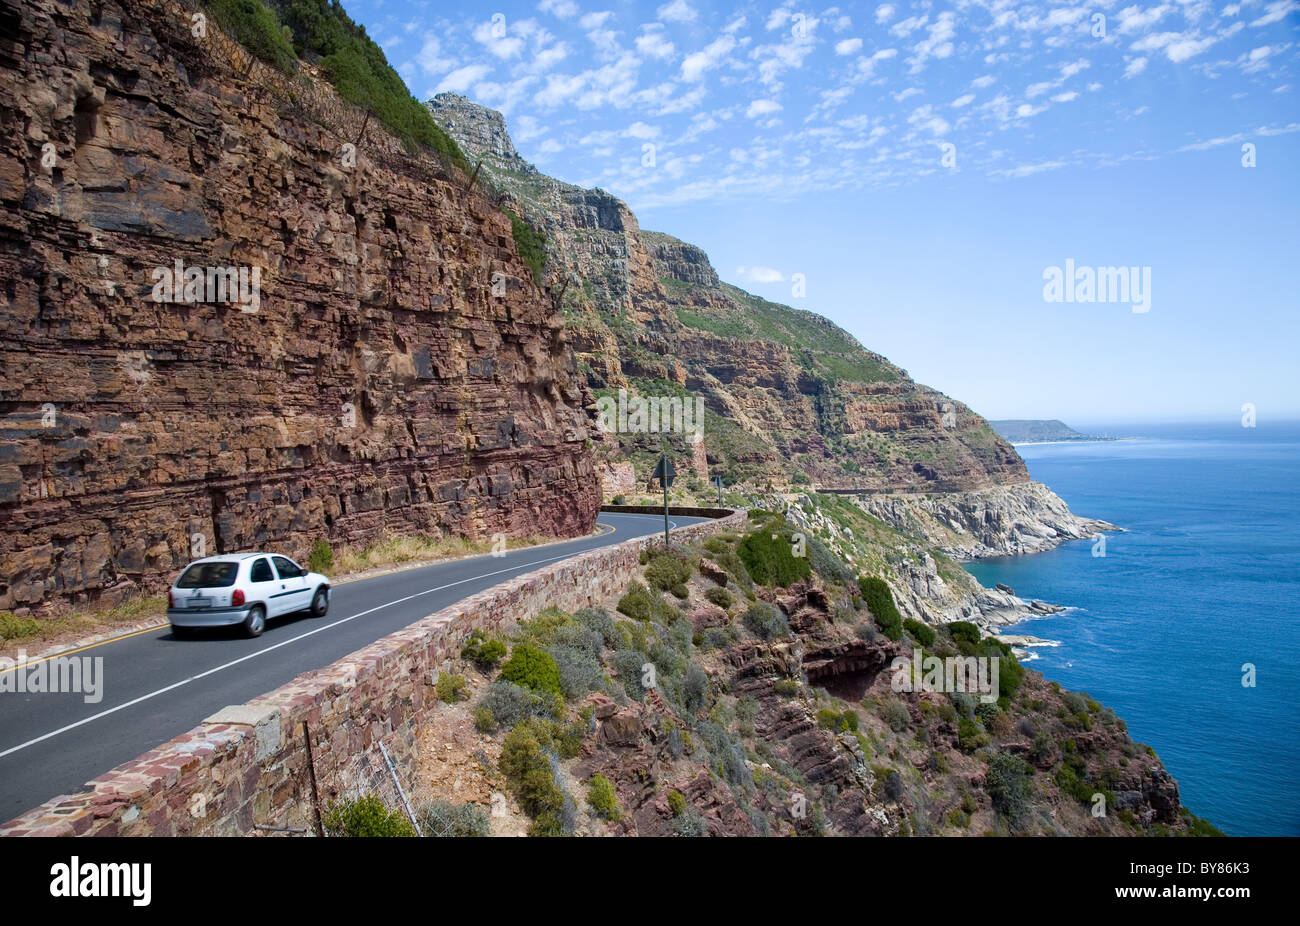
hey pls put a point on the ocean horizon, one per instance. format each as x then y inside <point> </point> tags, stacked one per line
<point>1201,584</point>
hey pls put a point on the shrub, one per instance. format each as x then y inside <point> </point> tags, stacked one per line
<point>769,560</point>
<point>619,500</point>
<point>896,715</point>
<point>531,244</point>
<point>880,602</point>
<point>826,564</point>
<point>964,632</point>
<point>360,72</point>
<point>720,597</point>
<point>894,786</point>
<point>507,704</point>
<point>1009,782</point>
<point>628,664</point>
<point>676,802</point>
<point>534,669</point>
<point>451,688</point>
<point>579,670</point>
<point>596,620</point>
<point>255,27</point>
<point>443,818</point>
<point>321,558</point>
<point>638,603</point>
<point>602,798</point>
<point>970,736</point>
<point>526,766</point>
<point>694,688</point>
<point>484,720</point>
<point>16,628</point>
<point>667,571</point>
<point>766,621</point>
<point>482,650</point>
<point>367,816</point>
<point>922,633</point>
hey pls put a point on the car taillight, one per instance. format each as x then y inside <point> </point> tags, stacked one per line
<point>237,597</point>
<point>171,602</point>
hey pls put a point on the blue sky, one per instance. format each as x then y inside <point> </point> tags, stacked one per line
<point>923,165</point>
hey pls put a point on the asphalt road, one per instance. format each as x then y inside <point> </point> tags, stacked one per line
<point>156,687</point>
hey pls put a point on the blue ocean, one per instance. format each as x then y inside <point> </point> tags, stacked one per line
<point>1203,580</point>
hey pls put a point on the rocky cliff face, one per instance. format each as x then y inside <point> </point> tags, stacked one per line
<point>369,377</point>
<point>786,391</point>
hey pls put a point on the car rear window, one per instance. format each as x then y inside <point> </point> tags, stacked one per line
<point>208,575</point>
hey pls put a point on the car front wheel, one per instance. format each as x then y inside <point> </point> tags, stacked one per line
<point>255,623</point>
<point>320,602</point>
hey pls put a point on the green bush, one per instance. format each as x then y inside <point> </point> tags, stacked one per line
<point>720,596</point>
<point>666,571</point>
<point>321,558</point>
<point>964,632</point>
<point>531,244</point>
<point>526,766</point>
<point>922,633</point>
<point>17,628</point>
<point>602,798</point>
<point>255,27</point>
<point>846,722</point>
<point>769,560</point>
<point>505,704</point>
<point>321,31</point>
<point>482,650</point>
<point>619,500</point>
<point>443,818</point>
<point>880,602</point>
<point>451,688</point>
<point>638,603</point>
<point>366,817</point>
<point>676,802</point>
<point>1009,782</point>
<point>579,670</point>
<point>598,621</point>
<point>766,621</point>
<point>533,669</point>
<point>826,564</point>
<point>896,715</point>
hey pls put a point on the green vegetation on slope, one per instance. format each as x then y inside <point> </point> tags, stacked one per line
<point>321,32</point>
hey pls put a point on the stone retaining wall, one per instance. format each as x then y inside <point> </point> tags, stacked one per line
<point>247,765</point>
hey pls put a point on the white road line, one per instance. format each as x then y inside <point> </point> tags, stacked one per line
<point>235,662</point>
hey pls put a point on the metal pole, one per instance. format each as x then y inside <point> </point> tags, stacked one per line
<point>409,812</point>
<point>665,482</point>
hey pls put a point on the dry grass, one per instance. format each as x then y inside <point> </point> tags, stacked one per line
<point>397,551</point>
<point>55,629</point>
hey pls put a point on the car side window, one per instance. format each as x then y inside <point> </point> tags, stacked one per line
<point>261,572</point>
<point>286,568</point>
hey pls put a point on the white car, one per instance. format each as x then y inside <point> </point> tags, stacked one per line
<point>246,589</point>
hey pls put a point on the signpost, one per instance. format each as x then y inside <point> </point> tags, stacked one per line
<point>717,481</point>
<point>665,473</point>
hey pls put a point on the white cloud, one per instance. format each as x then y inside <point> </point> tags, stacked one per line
<point>760,274</point>
<point>1135,67</point>
<point>698,63</point>
<point>559,8</point>
<point>430,58</point>
<point>459,80</point>
<point>678,11</point>
<point>1276,11</point>
<point>654,44</point>
<point>884,13</point>
<point>503,45</point>
<point>762,108</point>
<point>1136,19</point>
<point>964,100</point>
<point>979,83</point>
<point>848,46</point>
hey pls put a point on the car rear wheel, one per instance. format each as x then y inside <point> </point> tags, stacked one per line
<point>255,623</point>
<point>320,602</point>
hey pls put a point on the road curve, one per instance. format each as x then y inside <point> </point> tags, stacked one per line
<point>156,687</point>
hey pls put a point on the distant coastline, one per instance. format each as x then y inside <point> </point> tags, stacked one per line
<point>1042,431</point>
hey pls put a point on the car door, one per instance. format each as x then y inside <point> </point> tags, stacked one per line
<point>293,592</point>
<point>263,585</point>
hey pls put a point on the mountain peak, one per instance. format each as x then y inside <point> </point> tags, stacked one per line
<point>481,131</point>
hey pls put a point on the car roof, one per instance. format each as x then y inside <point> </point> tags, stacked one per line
<point>232,557</point>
